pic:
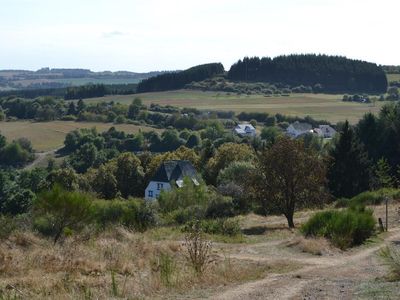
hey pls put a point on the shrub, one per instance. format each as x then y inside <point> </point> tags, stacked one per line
<point>184,215</point>
<point>133,213</point>
<point>229,227</point>
<point>342,202</point>
<point>344,228</point>
<point>391,255</point>
<point>60,209</point>
<point>198,248</point>
<point>220,207</point>
<point>374,197</point>
<point>7,226</point>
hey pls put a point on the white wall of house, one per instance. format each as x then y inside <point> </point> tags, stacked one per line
<point>154,189</point>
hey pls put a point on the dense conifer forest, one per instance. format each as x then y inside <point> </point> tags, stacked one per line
<point>178,80</point>
<point>330,73</point>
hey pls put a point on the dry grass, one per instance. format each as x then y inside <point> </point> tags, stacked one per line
<point>47,136</point>
<point>315,246</point>
<point>318,106</point>
<point>116,263</point>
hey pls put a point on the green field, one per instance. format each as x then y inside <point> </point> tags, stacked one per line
<point>83,81</point>
<point>318,106</point>
<point>393,77</point>
<point>47,136</point>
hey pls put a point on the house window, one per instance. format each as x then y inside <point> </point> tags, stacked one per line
<point>150,194</point>
<point>160,186</point>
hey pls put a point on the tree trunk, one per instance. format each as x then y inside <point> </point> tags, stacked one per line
<point>290,221</point>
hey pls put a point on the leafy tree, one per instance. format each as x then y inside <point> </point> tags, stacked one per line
<point>66,178</point>
<point>129,175</point>
<point>225,155</point>
<point>292,177</point>
<point>63,210</point>
<point>134,108</point>
<point>349,170</point>
<point>103,182</point>
<point>193,141</point>
<point>270,134</point>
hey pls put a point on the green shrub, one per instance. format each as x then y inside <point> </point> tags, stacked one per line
<point>132,213</point>
<point>220,207</point>
<point>58,209</point>
<point>7,226</point>
<point>221,226</point>
<point>184,215</point>
<point>342,202</point>
<point>344,228</point>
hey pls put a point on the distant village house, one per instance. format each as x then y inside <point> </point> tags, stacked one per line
<point>170,173</point>
<point>245,129</point>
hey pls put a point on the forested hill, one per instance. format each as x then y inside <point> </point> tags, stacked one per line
<point>178,80</point>
<point>330,73</point>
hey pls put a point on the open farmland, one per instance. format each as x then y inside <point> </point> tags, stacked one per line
<point>393,77</point>
<point>46,136</point>
<point>318,106</point>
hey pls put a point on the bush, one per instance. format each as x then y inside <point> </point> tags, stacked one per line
<point>57,210</point>
<point>342,202</point>
<point>184,215</point>
<point>229,227</point>
<point>7,226</point>
<point>221,207</point>
<point>391,255</point>
<point>344,228</point>
<point>374,197</point>
<point>133,213</point>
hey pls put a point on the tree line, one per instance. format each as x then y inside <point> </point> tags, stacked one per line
<point>327,73</point>
<point>178,80</point>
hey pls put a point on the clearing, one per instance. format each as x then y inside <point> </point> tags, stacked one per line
<point>318,106</point>
<point>47,136</point>
<point>268,262</point>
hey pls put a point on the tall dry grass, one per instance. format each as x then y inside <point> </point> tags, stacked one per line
<point>114,264</point>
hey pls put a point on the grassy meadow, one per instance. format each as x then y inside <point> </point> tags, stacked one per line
<point>46,136</point>
<point>318,106</point>
<point>393,77</point>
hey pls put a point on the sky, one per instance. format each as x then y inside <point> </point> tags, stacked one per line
<point>150,35</point>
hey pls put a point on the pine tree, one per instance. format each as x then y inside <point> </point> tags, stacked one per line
<point>349,171</point>
<point>382,173</point>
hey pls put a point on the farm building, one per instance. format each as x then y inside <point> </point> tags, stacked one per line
<point>325,131</point>
<point>170,173</point>
<point>245,129</point>
<point>296,129</point>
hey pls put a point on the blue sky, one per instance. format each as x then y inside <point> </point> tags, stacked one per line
<point>145,35</point>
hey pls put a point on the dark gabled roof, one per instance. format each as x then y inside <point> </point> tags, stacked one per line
<point>173,170</point>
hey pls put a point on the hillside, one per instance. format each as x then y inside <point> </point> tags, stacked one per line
<point>326,73</point>
<point>177,80</point>
<point>58,78</point>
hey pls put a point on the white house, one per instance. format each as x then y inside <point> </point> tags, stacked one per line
<point>296,129</point>
<point>245,129</point>
<point>170,173</point>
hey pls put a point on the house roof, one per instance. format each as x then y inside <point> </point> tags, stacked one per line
<point>175,170</point>
<point>301,126</point>
<point>327,129</point>
<point>244,128</point>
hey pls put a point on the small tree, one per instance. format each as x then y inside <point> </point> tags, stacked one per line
<point>292,176</point>
<point>382,173</point>
<point>63,209</point>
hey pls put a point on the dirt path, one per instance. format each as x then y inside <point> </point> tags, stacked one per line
<point>322,277</point>
<point>40,157</point>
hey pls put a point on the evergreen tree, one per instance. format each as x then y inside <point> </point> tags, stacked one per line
<point>349,171</point>
<point>382,173</point>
